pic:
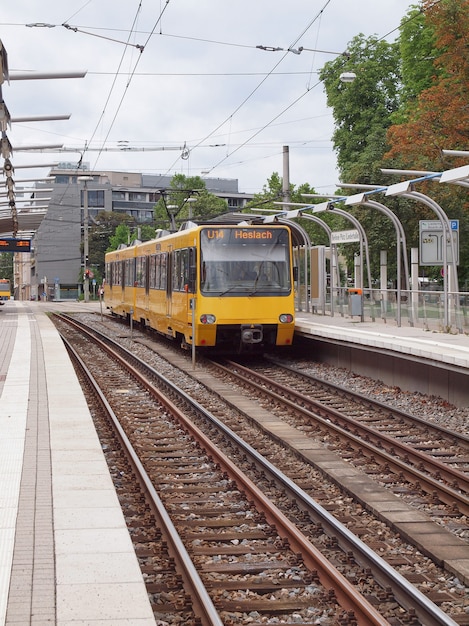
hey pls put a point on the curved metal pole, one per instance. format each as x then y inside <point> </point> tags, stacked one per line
<point>400,241</point>
<point>307,243</point>
<point>416,195</point>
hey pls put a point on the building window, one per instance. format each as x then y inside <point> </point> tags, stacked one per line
<point>95,198</point>
<point>140,197</point>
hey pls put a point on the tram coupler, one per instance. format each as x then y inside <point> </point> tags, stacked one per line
<point>251,333</point>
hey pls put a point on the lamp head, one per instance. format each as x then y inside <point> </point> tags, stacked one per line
<point>347,77</point>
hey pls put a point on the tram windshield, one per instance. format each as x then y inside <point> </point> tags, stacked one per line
<point>244,261</point>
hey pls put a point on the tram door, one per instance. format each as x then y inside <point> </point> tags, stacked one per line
<point>169,284</point>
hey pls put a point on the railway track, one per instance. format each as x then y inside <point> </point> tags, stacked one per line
<point>447,446</point>
<point>228,530</point>
<point>418,608</point>
<point>405,446</point>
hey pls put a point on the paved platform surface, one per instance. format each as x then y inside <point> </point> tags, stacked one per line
<point>450,348</point>
<point>65,553</point>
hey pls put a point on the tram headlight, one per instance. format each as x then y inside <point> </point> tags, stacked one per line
<point>285,318</point>
<point>208,318</point>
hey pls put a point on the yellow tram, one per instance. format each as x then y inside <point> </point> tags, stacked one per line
<point>224,287</point>
<point>5,290</point>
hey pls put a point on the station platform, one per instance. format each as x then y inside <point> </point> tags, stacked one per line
<point>448,348</point>
<point>410,358</point>
<point>66,556</point>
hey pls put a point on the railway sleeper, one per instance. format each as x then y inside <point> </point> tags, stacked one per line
<point>269,606</point>
<point>261,587</point>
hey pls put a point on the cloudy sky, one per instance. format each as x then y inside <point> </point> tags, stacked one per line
<point>182,84</point>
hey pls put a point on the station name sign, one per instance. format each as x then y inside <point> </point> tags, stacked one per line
<point>345,236</point>
<point>11,244</point>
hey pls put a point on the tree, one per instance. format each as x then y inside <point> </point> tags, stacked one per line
<point>362,109</point>
<point>187,199</point>
<point>6,266</point>
<point>440,117</point>
<point>417,48</point>
<point>121,236</point>
<point>272,192</point>
<point>407,103</point>
<point>102,237</point>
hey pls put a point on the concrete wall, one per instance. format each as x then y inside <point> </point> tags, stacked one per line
<point>396,370</point>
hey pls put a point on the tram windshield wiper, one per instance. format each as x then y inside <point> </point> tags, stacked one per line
<point>230,289</point>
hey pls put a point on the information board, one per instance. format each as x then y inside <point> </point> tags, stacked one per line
<point>432,239</point>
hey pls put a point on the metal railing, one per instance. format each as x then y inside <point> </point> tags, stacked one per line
<point>424,309</point>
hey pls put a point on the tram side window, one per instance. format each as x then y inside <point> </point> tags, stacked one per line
<point>141,270</point>
<point>129,277</point>
<point>152,271</point>
<point>119,266</point>
<point>108,274</point>
<point>157,271</point>
<point>163,270</point>
<point>180,270</point>
<point>115,274</point>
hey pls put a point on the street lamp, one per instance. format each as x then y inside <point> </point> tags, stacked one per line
<point>86,275</point>
<point>172,210</point>
<point>190,201</point>
<point>347,77</point>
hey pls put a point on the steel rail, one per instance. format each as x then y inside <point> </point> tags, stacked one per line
<point>347,595</point>
<point>202,603</point>
<point>362,435</point>
<point>438,429</point>
<point>411,598</point>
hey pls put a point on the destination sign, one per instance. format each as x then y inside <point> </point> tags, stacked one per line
<point>11,244</point>
<point>238,233</point>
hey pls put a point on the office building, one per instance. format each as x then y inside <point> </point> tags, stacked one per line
<point>57,264</point>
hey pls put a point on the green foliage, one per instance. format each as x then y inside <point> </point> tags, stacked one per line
<point>362,108</point>
<point>145,232</point>
<point>437,116</point>
<point>101,230</point>
<point>407,103</point>
<point>417,47</point>
<point>188,199</point>
<point>109,230</point>
<point>121,236</point>
<point>6,266</point>
<point>272,192</point>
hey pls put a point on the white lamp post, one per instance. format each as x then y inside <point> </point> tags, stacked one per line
<point>86,278</point>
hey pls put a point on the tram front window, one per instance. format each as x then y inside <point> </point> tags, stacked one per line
<point>234,268</point>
